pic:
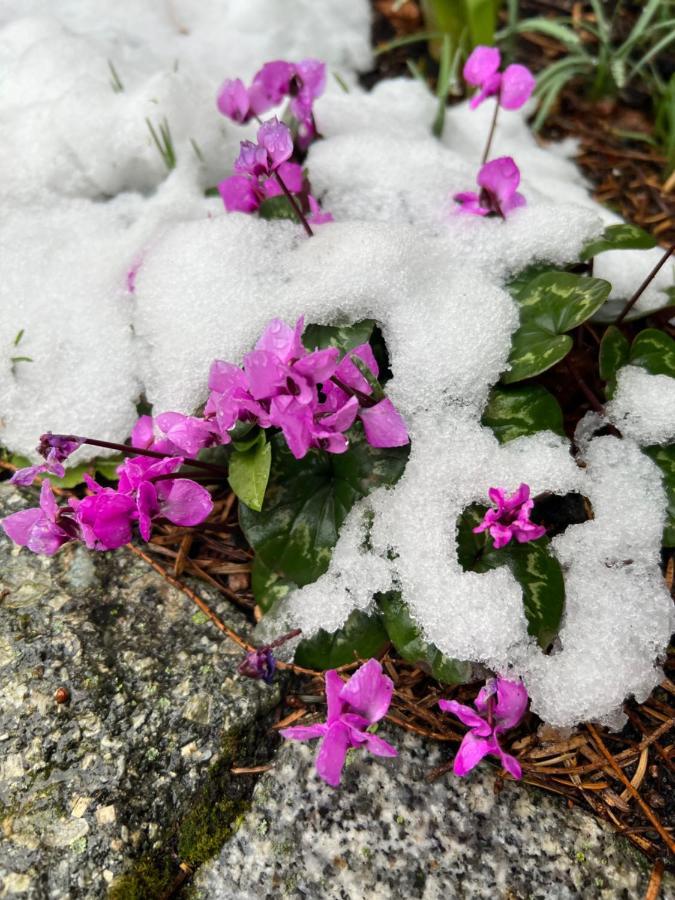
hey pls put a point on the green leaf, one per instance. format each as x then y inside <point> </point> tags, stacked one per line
<point>619,237</point>
<point>534,351</point>
<point>249,471</point>
<point>513,412</point>
<point>361,637</point>
<point>411,646</point>
<point>307,501</point>
<point>654,350</point>
<point>550,304</point>
<point>664,457</point>
<point>277,208</point>
<point>614,350</point>
<point>538,573</point>
<point>344,337</point>
<point>268,587</point>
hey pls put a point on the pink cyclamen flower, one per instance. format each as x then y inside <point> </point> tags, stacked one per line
<point>274,146</point>
<point>180,500</point>
<point>55,448</point>
<point>383,424</point>
<point>511,518</point>
<point>500,705</point>
<point>352,708</point>
<point>302,82</point>
<point>44,529</point>
<point>498,180</point>
<point>512,87</point>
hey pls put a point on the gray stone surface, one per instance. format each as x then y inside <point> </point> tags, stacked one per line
<point>387,834</point>
<point>89,786</point>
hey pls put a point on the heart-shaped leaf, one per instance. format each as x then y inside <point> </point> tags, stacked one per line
<point>411,646</point>
<point>361,637</point>
<point>344,337</point>
<point>654,350</point>
<point>268,587</point>
<point>513,412</point>
<point>664,457</point>
<point>307,501</point>
<point>534,568</point>
<point>550,305</point>
<point>277,208</point>
<point>614,352</point>
<point>619,237</point>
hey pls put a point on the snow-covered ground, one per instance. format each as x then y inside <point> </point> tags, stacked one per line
<point>86,196</point>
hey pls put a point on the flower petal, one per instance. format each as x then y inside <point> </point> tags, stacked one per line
<point>482,62</point>
<point>19,525</point>
<point>304,732</point>
<point>183,502</point>
<point>471,751</point>
<point>368,691</point>
<point>331,756</point>
<point>383,425</point>
<point>511,702</point>
<point>379,747</point>
<point>516,87</point>
<point>510,763</point>
<point>333,684</point>
<point>466,716</point>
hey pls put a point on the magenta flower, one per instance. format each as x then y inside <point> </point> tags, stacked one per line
<point>352,708</point>
<point>180,500</point>
<point>303,82</point>
<point>498,180</point>
<point>512,87</point>
<point>44,529</point>
<point>259,664</point>
<point>383,425</point>
<point>500,705</point>
<point>55,448</point>
<point>511,518</point>
<point>105,517</point>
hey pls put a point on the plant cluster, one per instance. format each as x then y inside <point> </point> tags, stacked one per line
<point>303,429</point>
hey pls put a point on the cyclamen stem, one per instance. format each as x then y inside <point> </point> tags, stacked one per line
<point>128,450</point>
<point>363,399</point>
<point>296,209</point>
<point>277,642</point>
<point>491,134</point>
<point>645,284</point>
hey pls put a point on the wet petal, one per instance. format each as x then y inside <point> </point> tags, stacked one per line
<point>368,691</point>
<point>331,756</point>
<point>471,751</point>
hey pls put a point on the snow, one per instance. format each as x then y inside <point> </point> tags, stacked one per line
<point>86,197</point>
<point>643,406</point>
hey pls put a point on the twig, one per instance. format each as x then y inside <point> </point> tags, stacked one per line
<point>645,284</point>
<point>655,880</point>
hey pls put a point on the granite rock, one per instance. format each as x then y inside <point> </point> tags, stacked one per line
<point>154,707</point>
<point>388,834</point>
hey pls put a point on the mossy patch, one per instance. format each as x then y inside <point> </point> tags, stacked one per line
<point>210,819</point>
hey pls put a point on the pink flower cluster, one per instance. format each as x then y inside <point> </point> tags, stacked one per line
<point>303,82</point>
<point>313,397</point>
<point>260,170</point>
<point>513,87</point>
<point>511,518</point>
<point>498,179</point>
<point>104,519</point>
